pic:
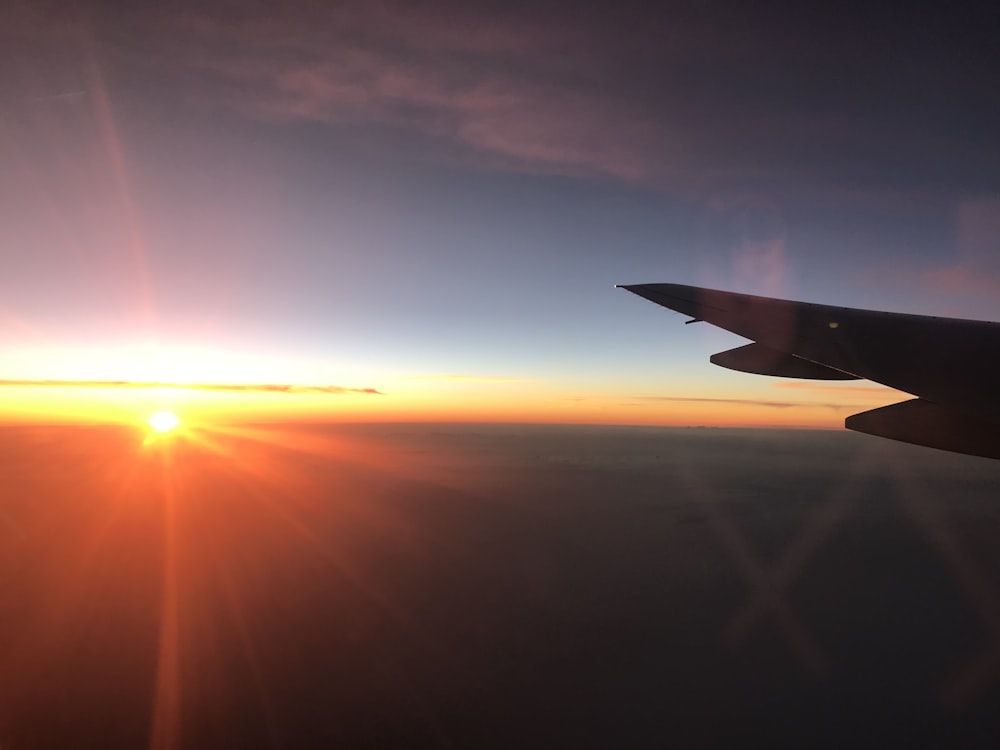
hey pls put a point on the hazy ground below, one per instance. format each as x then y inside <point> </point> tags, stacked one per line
<point>495,586</point>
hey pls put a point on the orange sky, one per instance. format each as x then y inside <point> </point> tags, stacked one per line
<point>759,403</point>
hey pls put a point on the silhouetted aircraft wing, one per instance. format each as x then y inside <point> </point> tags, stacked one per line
<point>951,365</point>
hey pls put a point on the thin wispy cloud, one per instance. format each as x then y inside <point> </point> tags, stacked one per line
<point>750,402</point>
<point>512,88</point>
<point>219,387</point>
<point>974,270</point>
<point>700,94</point>
<point>471,378</point>
<point>962,280</point>
<point>846,390</point>
<point>528,86</point>
<point>519,88</point>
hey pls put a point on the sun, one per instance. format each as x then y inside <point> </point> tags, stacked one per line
<point>164,421</point>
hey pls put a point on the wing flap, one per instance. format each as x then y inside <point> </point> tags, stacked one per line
<point>923,423</point>
<point>763,360</point>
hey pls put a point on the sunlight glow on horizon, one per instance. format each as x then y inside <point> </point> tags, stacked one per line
<point>164,421</point>
<point>537,404</point>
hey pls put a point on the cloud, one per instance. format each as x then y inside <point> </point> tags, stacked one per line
<point>222,387</point>
<point>976,268</point>
<point>859,390</point>
<point>689,94</point>
<point>471,378</point>
<point>962,280</point>
<point>510,88</point>
<point>750,402</point>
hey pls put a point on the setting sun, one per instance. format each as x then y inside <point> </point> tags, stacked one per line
<point>164,421</point>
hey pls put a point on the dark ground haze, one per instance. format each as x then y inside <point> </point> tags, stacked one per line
<point>488,586</point>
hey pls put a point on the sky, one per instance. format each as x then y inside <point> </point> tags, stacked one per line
<point>419,211</point>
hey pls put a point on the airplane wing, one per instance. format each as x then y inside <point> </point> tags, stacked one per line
<point>952,366</point>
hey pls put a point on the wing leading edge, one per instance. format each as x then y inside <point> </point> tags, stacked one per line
<point>951,365</point>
